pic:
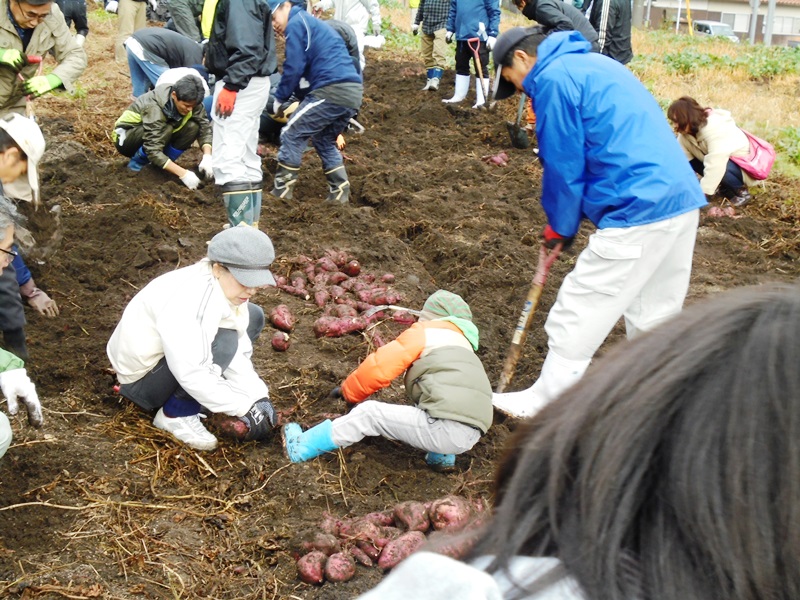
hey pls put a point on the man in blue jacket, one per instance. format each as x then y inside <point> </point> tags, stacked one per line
<point>609,156</point>
<point>317,60</point>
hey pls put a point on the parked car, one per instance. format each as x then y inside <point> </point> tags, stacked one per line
<point>714,28</point>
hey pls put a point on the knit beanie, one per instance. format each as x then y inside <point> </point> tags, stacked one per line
<point>445,304</point>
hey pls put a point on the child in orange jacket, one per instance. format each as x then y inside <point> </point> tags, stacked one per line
<point>444,379</point>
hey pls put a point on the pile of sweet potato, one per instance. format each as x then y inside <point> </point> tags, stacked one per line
<point>336,283</point>
<point>382,539</point>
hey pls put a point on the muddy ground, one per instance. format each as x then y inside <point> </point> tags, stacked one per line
<point>99,504</point>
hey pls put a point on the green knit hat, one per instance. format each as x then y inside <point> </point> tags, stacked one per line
<point>446,304</point>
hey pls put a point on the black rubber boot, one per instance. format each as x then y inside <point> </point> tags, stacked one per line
<point>285,180</point>
<point>338,185</point>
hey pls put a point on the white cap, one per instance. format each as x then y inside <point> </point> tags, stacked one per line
<point>27,135</point>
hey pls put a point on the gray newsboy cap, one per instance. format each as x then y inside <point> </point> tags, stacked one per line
<point>504,44</point>
<point>246,252</point>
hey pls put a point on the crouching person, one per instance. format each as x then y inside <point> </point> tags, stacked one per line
<point>184,342</point>
<point>443,377</point>
<point>161,124</point>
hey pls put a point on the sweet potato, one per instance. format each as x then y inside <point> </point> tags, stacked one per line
<point>360,556</point>
<point>337,327</point>
<point>343,310</point>
<point>388,297</point>
<point>369,549</point>
<point>327,264</point>
<point>320,540</point>
<point>346,300</point>
<point>321,298</point>
<point>299,292</point>
<point>337,278</point>
<point>353,268</point>
<point>280,280</point>
<point>412,516</point>
<point>381,519</point>
<point>387,278</point>
<point>338,256</point>
<point>450,513</point>
<point>311,567</point>
<point>299,282</point>
<point>280,341</point>
<point>330,524</point>
<point>406,318</point>
<point>398,549</point>
<point>454,546</point>
<point>367,278</point>
<point>340,567</point>
<point>377,340</point>
<point>360,530</point>
<point>336,291</point>
<point>282,318</point>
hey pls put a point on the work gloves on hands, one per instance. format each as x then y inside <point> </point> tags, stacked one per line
<point>490,43</point>
<point>9,57</point>
<point>41,84</point>
<point>190,180</point>
<point>205,167</point>
<point>278,108</point>
<point>415,28</point>
<point>225,102</point>
<point>448,37</point>
<point>39,300</point>
<point>551,239</point>
<point>260,420</point>
<point>17,387</point>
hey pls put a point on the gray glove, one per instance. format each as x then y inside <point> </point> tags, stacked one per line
<point>260,420</point>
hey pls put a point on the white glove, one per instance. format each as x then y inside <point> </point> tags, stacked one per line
<point>80,39</point>
<point>112,6</point>
<point>415,28</point>
<point>190,180</point>
<point>490,42</point>
<point>448,37</point>
<point>317,9</point>
<point>205,167</point>
<point>153,4</point>
<point>276,107</point>
<point>16,385</point>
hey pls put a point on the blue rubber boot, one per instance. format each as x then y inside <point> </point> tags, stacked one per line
<point>440,462</point>
<point>172,153</point>
<point>305,445</point>
<point>138,160</point>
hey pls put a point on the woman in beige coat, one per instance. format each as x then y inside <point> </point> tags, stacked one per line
<point>709,137</point>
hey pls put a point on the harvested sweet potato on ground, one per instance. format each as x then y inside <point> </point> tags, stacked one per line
<point>321,298</point>
<point>412,516</point>
<point>360,556</point>
<point>327,264</point>
<point>387,278</point>
<point>401,548</point>
<point>280,280</point>
<point>320,540</point>
<point>282,318</point>
<point>299,292</point>
<point>455,546</point>
<point>340,567</point>
<point>344,310</point>
<point>450,513</point>
<point>299,282</point>
<point>360,530</point>
<point>353,268</point>
<point>369,549</point>
<point>406,318</point>
<point>376,339</point>
<point>330,524</point>
<point>337,327</point>
<point>311,567</point>
<point>337,278</point>
<point>280,341</point>
<point>381,518</point>
<point>338,256</point>
<point>336,291</point>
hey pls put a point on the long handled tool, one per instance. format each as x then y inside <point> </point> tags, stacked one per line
<point>546,260</point>
<point>479,68</point>
<point>519,137</point>
<point>34,60</point>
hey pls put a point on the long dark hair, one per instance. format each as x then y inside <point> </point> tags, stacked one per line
<point>671,471</point>
<point>687,111</point>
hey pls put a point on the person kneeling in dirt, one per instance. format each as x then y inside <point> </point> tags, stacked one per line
<point>317,53</point>
<point>443,377</point>
<point>14,381</point>
<point>161,124</point>
<point>184,343</point>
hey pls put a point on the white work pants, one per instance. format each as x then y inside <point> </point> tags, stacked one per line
<point>403,423</point>
<point>235,142</point>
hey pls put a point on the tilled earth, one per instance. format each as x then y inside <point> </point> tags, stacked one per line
<point>99,504</point>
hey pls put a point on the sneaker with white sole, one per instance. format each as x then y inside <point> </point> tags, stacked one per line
<point>189,430</point>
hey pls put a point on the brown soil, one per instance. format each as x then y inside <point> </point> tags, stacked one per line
<point>99,504</point>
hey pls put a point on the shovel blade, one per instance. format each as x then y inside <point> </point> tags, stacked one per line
<point>519,137</point>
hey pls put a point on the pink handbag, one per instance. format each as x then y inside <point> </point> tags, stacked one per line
<point>762,156</point>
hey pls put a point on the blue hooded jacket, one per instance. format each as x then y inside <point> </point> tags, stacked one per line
<point>608,152</point>
<point>465,15</point>
<point>315,52</point>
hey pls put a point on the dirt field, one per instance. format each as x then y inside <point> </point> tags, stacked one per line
<point>99,504</point>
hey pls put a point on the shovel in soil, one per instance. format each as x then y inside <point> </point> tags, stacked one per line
<point>519,137</point>
<point>375,309</point>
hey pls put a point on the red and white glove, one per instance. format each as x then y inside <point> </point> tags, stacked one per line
<point>17,386</point>
<point>225,102</point>
<point>551,239</point>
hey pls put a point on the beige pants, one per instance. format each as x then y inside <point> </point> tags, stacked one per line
<point>132,17</point>
<point>434,49</point>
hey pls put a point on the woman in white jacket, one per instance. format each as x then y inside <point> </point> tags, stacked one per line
<point>185,340</point>
<point>670,471</point>
<point>709,137</point>
<point>357,14</point>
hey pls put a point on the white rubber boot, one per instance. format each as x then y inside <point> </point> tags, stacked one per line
<point>558,374</point>
<point>480,98</point>
<point>462,87</point>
